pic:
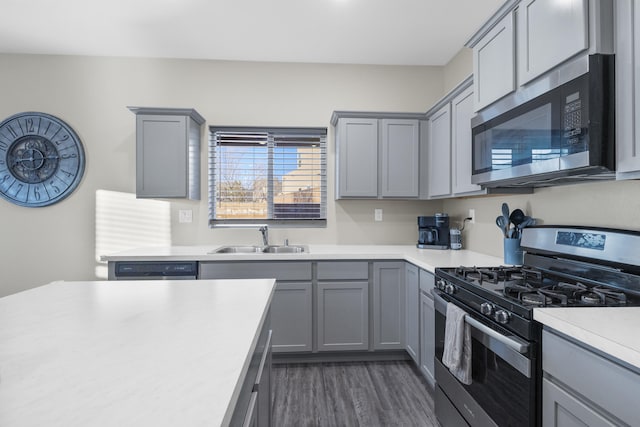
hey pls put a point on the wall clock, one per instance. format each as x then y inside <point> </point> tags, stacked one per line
<point>41,159</point>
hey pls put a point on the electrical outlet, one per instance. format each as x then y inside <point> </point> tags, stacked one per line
<point>472,215</point>
<point>185,215</point>
<point>377,214</point>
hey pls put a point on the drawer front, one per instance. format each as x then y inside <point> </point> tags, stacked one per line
<point>607,384</point>
<point>279,270</point>
<point>343,270</point>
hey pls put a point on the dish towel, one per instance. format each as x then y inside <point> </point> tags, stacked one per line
<point>457,344</point>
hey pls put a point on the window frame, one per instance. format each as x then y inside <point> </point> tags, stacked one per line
<point>271,222</point>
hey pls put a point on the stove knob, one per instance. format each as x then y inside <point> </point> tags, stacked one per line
<point>440,284</point>
<point>449,289</point>
<point>501,316</point>
<point>486,309</point>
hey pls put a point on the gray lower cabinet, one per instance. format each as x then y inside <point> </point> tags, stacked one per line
<point>412,316</point>
<point>253,406</point>
<point>427,327</point>
<point>251,417</point>
<point>263,384</point>
<point>291,306</point>
<point>388,305</point>
<point>343,316</point>
<point>584,388</point>
<point>291,317</point>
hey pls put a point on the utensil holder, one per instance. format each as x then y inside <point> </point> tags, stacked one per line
<point>513,253</point>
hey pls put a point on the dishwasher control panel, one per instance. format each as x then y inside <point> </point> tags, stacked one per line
<point>153,270</point>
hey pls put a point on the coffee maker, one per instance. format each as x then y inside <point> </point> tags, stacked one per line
<point>433,231</point>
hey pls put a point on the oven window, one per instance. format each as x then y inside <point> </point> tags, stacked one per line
<point>505,394</point>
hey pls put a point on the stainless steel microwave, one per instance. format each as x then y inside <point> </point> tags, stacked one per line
<point>566,134</point>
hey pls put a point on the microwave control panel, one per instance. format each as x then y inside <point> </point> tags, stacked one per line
<point>572,123</point>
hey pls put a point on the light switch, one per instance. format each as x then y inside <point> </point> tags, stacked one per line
<point>377,214</point>
<point>185,215</point>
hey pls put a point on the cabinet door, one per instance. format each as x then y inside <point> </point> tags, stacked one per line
<point>357,158</point>
<point>291,317</point>
<point>561,409</point>
<point>412,304</point>
<point>494,64</point>
<point>161,156</point>
<point>627,89</point>
<point>461,113</point>
<point>263,385</point>
<point>440,152</point>
<point>251,418</point>
<point>427,337</point>
<point>549,32</point>
<point>400,158</point>
<point>343,316</point>
<point>388,305</point>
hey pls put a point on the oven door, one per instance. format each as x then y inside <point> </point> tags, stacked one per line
<point>504,372</point>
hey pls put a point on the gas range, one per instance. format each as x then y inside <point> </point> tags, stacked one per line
<point>563,267</point>
<point>557,273</point>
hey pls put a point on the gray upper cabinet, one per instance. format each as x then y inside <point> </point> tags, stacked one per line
<point>439,163</point>
<point>167,152</point>
<point>357,157</point>
<point>400,157</point>
<point>377,154</point>
<point>549,32</point>
<point>449,144</point>
<point>461,149</point>
<point>388,305</point>
<point>494,66</point>
<point>522,45</point>
<point>627,89</point>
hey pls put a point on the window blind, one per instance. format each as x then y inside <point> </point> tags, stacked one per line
<point>276,175</point>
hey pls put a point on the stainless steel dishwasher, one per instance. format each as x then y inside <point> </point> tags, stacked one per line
<point>153,270</point>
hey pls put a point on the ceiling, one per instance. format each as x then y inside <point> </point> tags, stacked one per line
<point>398,32</point>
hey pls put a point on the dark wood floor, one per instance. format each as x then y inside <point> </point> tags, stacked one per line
<point>351,394</point>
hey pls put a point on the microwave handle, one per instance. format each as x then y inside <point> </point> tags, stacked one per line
<point>511,343</point>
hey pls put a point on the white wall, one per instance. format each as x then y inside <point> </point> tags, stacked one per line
<point>91,94</point>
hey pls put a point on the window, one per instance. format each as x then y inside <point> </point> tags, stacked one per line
<point>274,176</point>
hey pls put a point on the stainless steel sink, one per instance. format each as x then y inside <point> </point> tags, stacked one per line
<point>238,250</point>
<point>282,249</point>
<point>269,249</point>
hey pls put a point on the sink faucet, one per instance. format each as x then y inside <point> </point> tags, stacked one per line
<point>264,229</point>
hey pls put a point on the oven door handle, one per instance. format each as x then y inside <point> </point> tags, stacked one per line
<point>520,347</point>
<point>511,343</point>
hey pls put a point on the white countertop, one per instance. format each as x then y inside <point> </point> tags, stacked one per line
<point>427,259</point>
<point>612,330</point>
<point>143,353</point>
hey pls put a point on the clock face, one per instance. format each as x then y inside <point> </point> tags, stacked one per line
<point>41,159</point>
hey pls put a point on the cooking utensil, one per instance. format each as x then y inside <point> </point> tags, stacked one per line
<point>505,211</point>
<point>516,217</point>
<point>503,224</point>
<point>526,222</point>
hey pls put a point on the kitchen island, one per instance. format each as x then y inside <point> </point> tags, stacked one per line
<point>143,353</point>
